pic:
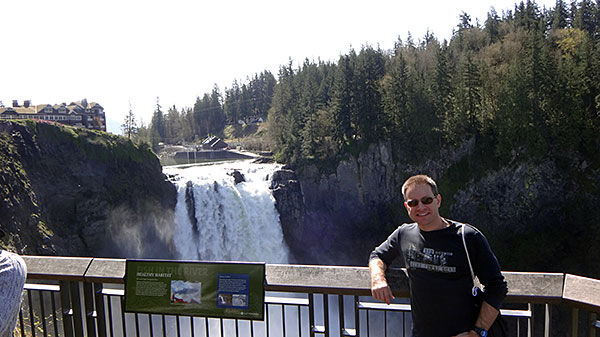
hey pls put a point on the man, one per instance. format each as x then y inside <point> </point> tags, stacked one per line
<point>438,269</point>
<point>13,272</point>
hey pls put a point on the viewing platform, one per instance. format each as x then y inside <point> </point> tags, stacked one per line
<point>72,296</point>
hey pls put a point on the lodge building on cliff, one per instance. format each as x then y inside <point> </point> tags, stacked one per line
<point>79,114</point>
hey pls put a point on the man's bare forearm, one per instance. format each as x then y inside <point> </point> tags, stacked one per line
<point>487,316</point>
<point>377,268</point>
<point>379,286</point>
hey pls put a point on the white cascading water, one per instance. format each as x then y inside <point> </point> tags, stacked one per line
<point>218,220</point>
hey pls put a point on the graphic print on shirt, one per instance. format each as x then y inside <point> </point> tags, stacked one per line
<point>430,260</point>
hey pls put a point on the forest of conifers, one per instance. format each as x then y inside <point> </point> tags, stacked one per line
<point>526,80</point>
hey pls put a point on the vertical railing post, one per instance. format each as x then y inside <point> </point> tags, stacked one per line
<point>100,309</point>
<point>77,310</point>
<point>90,313</point>
<point>326,314</point>
<point>66,308</point>
<point>574,322</point>
<point>356,316</point>
<point>592,324</point>
<point>43,313</point>
<point>311,314</point>
<point>547,319</point>
<point>530,321</point>
<point>341,314</point>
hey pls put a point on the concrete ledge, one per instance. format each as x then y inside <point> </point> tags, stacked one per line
<point>57,268</point>
<point>106,271</point>
<point>534,287</point>
<point>522,287</point>
<point>582,291</point>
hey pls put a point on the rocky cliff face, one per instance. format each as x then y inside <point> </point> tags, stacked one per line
<point>538,214</point>
<point>324,215</point>
<point>78,192</point>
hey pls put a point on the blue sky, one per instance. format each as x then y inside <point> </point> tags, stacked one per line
<point>128,51</point>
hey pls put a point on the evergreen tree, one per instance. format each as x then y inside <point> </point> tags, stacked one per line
<point>368,113</point>
<point>129,126</point>
<point>341,101</point>
<point>157,125</point>
<point>396,98</point>
<point>492,26</point>
<point>560,15</point>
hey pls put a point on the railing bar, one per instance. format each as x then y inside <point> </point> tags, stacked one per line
<point>267,321</point>
<point>286,300</point>
<point>530,322</point>
<point>66,308</point>
<point>341,313</point>
<point>237,327</point>
<point>44,287</point>
<point>283,318</point>
<point>403,324</point>
<point>299,321</point>
<point>368,332</point>
<point>78,319</point>
<point>89,307</point>
<point>356,316</point>
<point>206,326</point>
<point>252,328</point>
<point>43,310</point>
<point>137,325</point>
<point>164,325</point>
<point>123,323</point>
<point>177,325</point>
<point>31,320</point>
<point>192,330</point>
<point>113,292</point>
<point>385,323</point>
<point>21,321</point>
<point>326,314</point>
<point>594,324</point>
<point>547,320</point>
<point>150,325</point>
<point>100,309</point>
<point>110,314</point>
<point>383,306</point>
<point>54,316</point>
<point>311,315</point>
<point>574,322</point>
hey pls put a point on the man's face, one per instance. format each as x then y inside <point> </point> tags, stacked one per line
<point>425,215</point>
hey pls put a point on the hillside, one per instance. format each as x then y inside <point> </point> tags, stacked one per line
<point>71,191</point>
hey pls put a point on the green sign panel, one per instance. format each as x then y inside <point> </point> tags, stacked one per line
<point>210,289</point>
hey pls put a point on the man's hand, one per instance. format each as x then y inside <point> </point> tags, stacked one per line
<point>379,287</point>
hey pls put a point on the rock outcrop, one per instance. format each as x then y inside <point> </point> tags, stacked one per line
<point>77,192</point>
<point>289,202</point>
<point>324,216</point>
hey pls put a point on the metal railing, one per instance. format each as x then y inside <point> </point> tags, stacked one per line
<point>68,296</point>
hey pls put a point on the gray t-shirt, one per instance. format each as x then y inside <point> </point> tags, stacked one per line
<point>13,273</point>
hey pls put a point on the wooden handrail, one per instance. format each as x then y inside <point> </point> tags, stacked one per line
<point>522,287</point>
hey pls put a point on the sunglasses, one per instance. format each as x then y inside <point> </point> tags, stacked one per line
<point>415,202</point>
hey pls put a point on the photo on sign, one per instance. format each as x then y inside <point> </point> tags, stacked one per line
<point>233,300</point>
<point>186,292</point>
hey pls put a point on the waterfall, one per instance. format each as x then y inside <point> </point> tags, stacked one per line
<point>219,220</point>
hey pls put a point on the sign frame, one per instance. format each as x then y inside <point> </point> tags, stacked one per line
<point>195,288</point>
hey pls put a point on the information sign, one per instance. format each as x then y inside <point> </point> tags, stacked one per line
<point>193,288</point>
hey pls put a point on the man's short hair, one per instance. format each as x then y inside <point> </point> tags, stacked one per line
<point>420,179</point>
